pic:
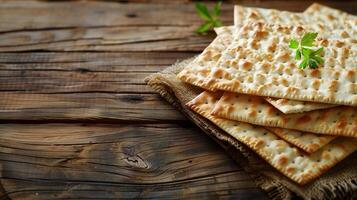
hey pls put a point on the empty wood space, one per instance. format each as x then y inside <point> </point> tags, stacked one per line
<point>77,120</point>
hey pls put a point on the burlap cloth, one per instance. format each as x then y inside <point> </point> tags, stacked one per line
<point>339,183</point>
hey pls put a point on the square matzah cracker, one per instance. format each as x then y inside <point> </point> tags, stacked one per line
<point>325,15</point>
<point>197,72</point>
<point>260,62</point>
<point>340,121</point>
<point>281,155</point>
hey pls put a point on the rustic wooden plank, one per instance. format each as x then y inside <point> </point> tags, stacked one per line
<point>68,86</point>
<point>15,15</point>
<point>128,107</point>
<point>90,61</point>
<point>44,15</point>
<point>101,26</point>
<point>51,161</point>
<point>144,38</point>
<point>73,81</point>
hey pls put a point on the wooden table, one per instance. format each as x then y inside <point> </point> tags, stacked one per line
<point>77,120</point>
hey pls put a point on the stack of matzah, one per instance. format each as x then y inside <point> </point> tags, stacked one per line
<point>301,121</point>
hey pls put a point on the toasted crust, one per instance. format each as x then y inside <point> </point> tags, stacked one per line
<point>289,160</point>
<point>340,121</point>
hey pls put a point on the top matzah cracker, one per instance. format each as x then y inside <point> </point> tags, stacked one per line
<point>340,121</point>
<point>324,14</point>
<point>281,155</point>
<point>260,62</point>
<point>196,73</point>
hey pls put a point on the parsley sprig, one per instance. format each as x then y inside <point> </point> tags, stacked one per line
<point>211,17</point>
<point>306,52</point>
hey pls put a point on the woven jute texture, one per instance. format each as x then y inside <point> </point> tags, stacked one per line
<point>338,183</point>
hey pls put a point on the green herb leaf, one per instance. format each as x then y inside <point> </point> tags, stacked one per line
<point>308,39</point>
<point>210,17</point>
<point>217,9</point>
<point>303,63</point>
<point>305,50</point>
<point>312,64</point>
<point>203,12</point>
<point>318,59</point>
<point>217,23</point>
<point>318,51</point>
<point>204,27</point>
<point>298,55</point>
<point>294,44</point>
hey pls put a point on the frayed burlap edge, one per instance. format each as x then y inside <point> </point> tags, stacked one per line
<point>340,184</point>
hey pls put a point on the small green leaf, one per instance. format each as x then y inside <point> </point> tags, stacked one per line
<point>318,59</point>
<point>303,63</point>
<point>294,44</point>
<point>217,9</point>
<point>311,58</point>
<point>298,55</point>
<point>306,52</point>
<point>312,64</point>
<point>217,23</point>
<point>203,12</point>
<point>210,17</point>
<point>204,27</point>
<point>308,39</point>
<point>318,51</point>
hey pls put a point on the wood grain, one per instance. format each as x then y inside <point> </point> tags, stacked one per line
<point>83,86</point>
<point>108,161</point>
<point>131,38</point>
<point>63,14</point>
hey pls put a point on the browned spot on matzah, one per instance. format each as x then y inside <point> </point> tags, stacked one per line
<point>342,122</point>
<point>304,119</point>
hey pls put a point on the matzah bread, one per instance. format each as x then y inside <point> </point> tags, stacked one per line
<point>308,142</point>
<point>288,106</point>
<point>281,155</point>
<point>341,121</point>
<point>259,62</point>
<point>197,73</point>
<point>213,53</point>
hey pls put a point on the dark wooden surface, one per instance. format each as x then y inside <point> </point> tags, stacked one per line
<point>77,120</point>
